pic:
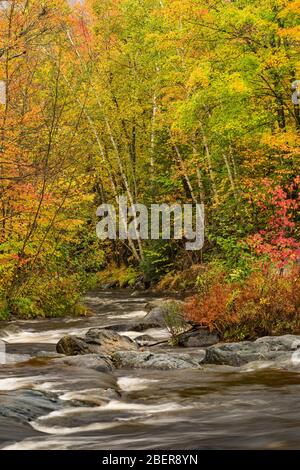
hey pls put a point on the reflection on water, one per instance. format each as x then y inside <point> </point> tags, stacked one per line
<point>44,405</point>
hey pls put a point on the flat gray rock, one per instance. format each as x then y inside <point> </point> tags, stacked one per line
<point>269,348</point>
<point>197,339</point>
<point>160,361</point>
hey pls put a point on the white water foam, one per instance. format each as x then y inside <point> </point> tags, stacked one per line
<point>47,337</point>
<point>136,314</point>
<point>41,423</point>
<point>16,383</point>
<point>87,395</point>
<point>156,333</point>
<point>112,300</point>
<point>53,443</point>
<point>36,382</point>
<point>77,429</point>
<point>31,444</point>
<point>131,384</point>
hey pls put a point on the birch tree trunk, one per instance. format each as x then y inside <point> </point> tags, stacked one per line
<point>113,142</point>
<point>209,163</point>
<point>181,163</point>
<point>230,176</point>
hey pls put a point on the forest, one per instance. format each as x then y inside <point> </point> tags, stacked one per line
<point>163,101</point>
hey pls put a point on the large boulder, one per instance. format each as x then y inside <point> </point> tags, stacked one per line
<point>96,341</point>
<point>153,360</point>
<point>72,346</point>
<point>280,343</point>
<point>269,348</point>
<point>109,341</point>
<point>198,338</point>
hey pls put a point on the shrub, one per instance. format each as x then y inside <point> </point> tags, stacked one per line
<point>279,208</point>
<point>60,297</point>
<point>122,276</point>
<point>4,310</point>
<point>25,307</point>
<point>54,297</point>
<point>183,280</point>
<point>265,304</point>
<point>158,260</point>
<point>174,320</point>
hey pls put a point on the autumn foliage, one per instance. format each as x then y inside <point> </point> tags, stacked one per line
<point>280,207</point>
<point>168,101</point>
<point>265,304</point>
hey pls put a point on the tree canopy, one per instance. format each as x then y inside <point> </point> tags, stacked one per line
<point>160,100</point>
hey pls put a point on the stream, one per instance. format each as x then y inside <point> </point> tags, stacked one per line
<point>47,405</point>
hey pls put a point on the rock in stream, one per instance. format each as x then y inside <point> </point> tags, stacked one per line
<point>157,360</point>
<point>96,341</point>
<point>269,348</point>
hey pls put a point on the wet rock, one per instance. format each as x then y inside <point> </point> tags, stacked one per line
<point>133,326</point>
<point>96,341</point>
<point>14,430</point>
<point>157,315</point>
<point>274,349</point>
<point>234,354</point>
<point>101,363</point>
<point>26,405</point>
<point>119,327</point>
<point>72,346</point>
<point>145,340</point>
<point>160,361</point>
<point>108,341</point>
<point>143,326</point>
<point>197,339</point>
<point>280,343</point>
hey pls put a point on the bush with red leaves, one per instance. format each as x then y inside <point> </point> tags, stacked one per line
<point>265,304</point>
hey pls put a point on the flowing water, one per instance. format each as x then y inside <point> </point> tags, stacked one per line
<point>46,405</point>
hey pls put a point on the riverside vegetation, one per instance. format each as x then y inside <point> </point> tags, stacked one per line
<point>166,102</point>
